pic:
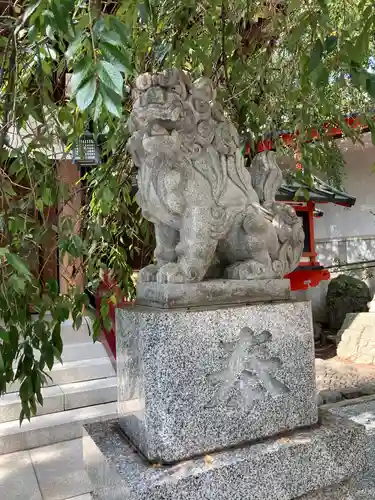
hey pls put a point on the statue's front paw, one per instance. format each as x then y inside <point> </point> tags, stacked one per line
<point>148,273</point>
<point>248,270</point>
<point>171,273</point>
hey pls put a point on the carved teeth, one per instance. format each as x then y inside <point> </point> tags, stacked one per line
<point>157,129</point>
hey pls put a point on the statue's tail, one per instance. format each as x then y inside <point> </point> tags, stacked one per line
<point>285,246</point>
<point>266,176</point>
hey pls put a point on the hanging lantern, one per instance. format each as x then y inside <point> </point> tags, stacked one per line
<point>86,151</point>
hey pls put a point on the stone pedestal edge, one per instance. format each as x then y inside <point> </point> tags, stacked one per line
<point>305,464</point>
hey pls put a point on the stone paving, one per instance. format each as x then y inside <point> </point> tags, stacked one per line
<point>363,487</point>
<point>52,472</point>
<point>335,374</point>
<point>56,472</point>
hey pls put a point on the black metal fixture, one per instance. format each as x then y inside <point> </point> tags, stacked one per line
<point>86,151</point>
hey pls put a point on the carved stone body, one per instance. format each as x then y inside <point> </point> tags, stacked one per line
<point>213,218</point>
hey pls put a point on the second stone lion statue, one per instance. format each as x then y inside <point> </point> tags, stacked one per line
<point>213,218</point>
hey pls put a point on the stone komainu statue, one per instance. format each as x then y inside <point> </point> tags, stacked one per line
<point>213,218</point>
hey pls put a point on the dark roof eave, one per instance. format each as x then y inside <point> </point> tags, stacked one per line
<point>320,192</point>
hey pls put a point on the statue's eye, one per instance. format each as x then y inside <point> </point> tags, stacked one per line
<point>201,106</point>
<point>179,89</point>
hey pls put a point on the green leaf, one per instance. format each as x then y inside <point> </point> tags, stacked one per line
<point>144,11</point>
<point>320,76</point>
<point>96,329</point>
<point>85,94</point>
<point>121,29</point>
<point>330,44</point>
<point>111,37</point>
<point>39,398</point>
<point>3,251</point>
<point>323,5</point>
<point>56,338</point>
<point>119,56</point>
<point>370,85</point>
<point>373,135</point>
<point>32,405</point>
<point>97,108</point>
<point>22,417</point>
<point>47,197</point>
<point>4,335</point>
<point>57,354</point>
<point>18,264</point>
<point>77,323</point>
<point>81,72</point>
<point>315,56</point>
<point>59,17</point>
<point>111,77</point>
<point>49,355</point>
<point>53,287</point>
<point>17,283</point>
<point>111,102</point>
<point>74,46</point>
<point>162,50</point>
<point>26,410</point>
<point>26,389</point>
<point>27,14</point>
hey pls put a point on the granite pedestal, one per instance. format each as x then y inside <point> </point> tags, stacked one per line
<point>208,379</point>
<point>212,292</point>
<point>301,464</point>
<point>225,409</point>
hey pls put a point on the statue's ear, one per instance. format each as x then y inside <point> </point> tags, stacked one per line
<point>204,89</point>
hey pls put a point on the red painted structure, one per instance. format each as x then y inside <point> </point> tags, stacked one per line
<point>289,138</point>
<point>309,272</point>
<point>108,288</point>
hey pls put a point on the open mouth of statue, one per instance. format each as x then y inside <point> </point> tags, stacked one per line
<point>161,127</point>
<point>161,136</point>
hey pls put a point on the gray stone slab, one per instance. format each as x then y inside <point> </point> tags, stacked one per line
<point>334,492</point>
<point>213,378</point>
<point>60,470</point>
<point>280,468</point>
<point>357,335</point>
<point>212,292</point>
<point>17,478</point>
<point>363,485</point>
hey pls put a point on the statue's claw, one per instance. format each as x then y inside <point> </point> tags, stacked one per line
<point>171,273</point>
<point>148,273</point>
<point>248,270</point>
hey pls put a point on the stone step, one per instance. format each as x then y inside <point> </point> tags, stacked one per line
<point>91,392</point>
<point>84,350</point>
<point>71,336</point>
<point>78,352</point>
<point>76,371</point>
<point>64,397</point>
<point>52,428</point>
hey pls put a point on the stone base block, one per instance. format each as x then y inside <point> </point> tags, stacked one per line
<point>303,464</point>
<point>336,492</point>
<point>215,292</point>
<point>207,379</point>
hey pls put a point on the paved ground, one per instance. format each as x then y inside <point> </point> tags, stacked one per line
<point>363,487</point>
<point>335,374</point>
<point>56,472</point>
<point>49,473</point>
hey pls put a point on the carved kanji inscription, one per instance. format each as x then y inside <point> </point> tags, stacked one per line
<point>250,372</point>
